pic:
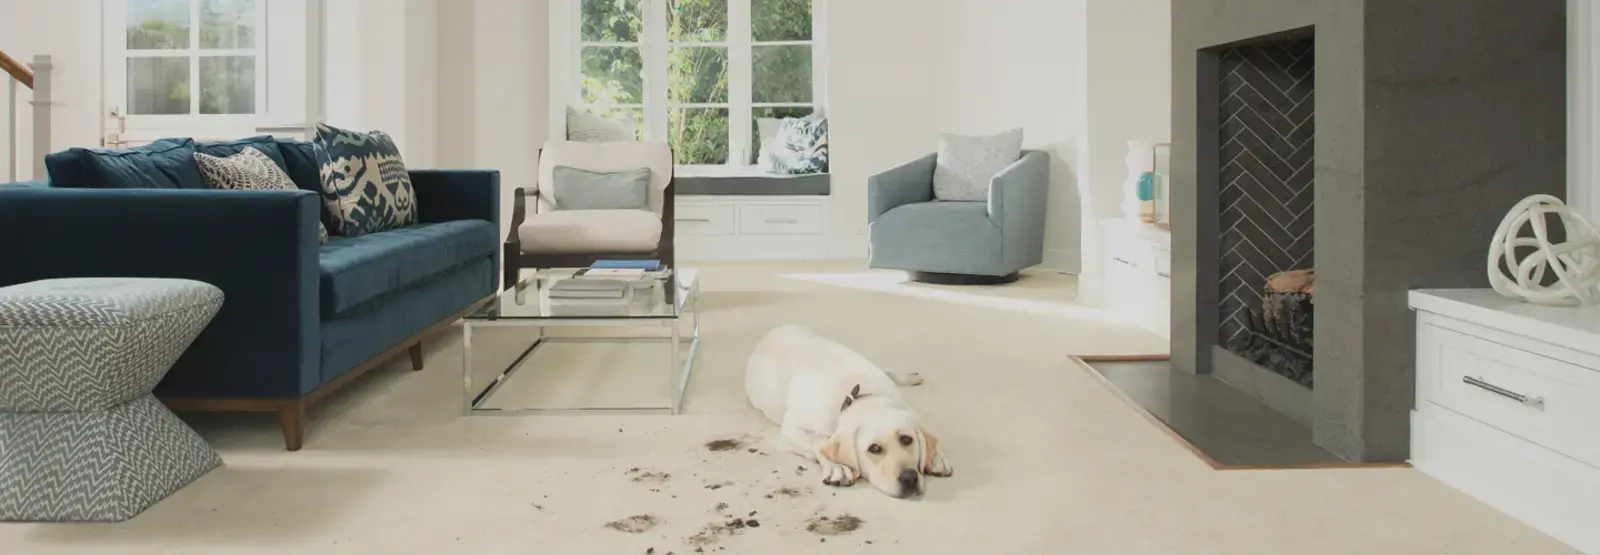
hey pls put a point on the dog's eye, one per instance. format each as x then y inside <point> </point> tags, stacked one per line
<point>875,449</point>
<point>906,440</point>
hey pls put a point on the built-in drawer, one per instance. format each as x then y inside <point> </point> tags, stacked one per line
<point>1544,400</point>
<point>703,219</point>
<point>780,219</point>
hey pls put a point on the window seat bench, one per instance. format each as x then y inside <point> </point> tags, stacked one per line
<point>747,181</point>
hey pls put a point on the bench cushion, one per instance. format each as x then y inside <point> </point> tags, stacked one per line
<point>354,270</point>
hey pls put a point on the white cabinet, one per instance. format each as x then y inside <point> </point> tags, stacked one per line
<point>723,227</point>
<point>1508,407</point>
<point>1138,274</point>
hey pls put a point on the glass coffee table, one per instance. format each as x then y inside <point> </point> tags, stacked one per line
<point>653,302</point>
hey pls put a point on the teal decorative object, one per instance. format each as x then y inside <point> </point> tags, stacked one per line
<point>1147,186</point>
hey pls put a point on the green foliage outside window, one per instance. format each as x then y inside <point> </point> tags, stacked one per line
<point>697,73</point>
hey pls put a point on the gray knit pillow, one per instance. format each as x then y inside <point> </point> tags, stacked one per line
<point>965,165</point>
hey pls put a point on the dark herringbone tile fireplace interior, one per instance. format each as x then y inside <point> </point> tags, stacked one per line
<point>1266,194</point>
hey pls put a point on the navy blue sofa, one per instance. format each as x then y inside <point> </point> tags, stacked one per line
<point>300,319</point>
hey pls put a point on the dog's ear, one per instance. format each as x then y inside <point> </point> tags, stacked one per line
<point>841,448</point>
<point>929,456</point>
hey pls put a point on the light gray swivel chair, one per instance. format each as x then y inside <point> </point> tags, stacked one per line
<point>959,242</point>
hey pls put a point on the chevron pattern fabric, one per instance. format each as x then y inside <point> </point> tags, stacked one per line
<point>81,437</point>
<point>91,343</point>
<point>96,466</point>
<point>1267,195</point>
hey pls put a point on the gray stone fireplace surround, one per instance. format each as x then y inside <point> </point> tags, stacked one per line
<point>1431,119</point>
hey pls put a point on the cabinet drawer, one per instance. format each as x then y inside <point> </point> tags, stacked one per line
<point>1546,401</point>
<point>780,219</point>
<point>703,219</point>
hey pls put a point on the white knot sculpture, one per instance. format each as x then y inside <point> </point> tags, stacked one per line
<point>1575,261</point>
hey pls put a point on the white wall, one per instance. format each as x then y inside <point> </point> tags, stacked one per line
<point>68,31</point>
<point>1130,95</point>
<point>493,110</point>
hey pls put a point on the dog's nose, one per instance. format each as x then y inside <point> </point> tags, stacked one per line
<point>908,479</point>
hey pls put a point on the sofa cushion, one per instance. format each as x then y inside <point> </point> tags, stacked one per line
<point>300,161</point>
<point>365,184</point>
<point>590,232</point>
<point>264,143</point>
<point>354,270</point>
<point>163,164</point>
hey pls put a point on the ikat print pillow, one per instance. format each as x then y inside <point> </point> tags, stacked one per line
<point>365,184</point>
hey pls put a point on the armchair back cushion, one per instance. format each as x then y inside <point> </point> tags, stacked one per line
<point>605,158</point>
<point>586,190</point>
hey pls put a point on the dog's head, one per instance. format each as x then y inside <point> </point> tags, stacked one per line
<point>884,442</point>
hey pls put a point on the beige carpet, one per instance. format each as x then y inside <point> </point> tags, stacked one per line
<point>1046,460</point>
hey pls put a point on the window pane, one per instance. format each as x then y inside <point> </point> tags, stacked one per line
<point>612,20</point>
<point>228,85</point>
<point>697,20</point>
<point>697,74</point>
<point>613,75</point>
<point>158,86</point>
<point>228,24</point>
<point>780,20</point>
<point>781,73</point>
<point>758,134</point>
<point>158,24</point>
<point>698,135</point>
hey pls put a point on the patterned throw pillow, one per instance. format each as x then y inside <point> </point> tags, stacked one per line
<point>250,169</point>
<point>364,182</point>
<point>965,165</point>
<point>801,147</point>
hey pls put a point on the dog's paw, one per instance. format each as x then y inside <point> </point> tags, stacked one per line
<point>839,476</point>
<point>913,378</point>
<point>940,468</point>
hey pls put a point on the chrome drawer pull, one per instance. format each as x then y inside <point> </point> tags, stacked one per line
<point>695,220</point>
<point>1124,262</point>
<point>1536,402</point>
<point>1167,275</point>
<point>782,221</point>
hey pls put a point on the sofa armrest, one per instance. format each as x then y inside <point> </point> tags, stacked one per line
<point>447,195</point>
<point>904,184</point>
<point>259,247</point>
<point>1018,196</point>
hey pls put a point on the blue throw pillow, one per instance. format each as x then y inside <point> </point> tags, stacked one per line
<point>365,184</point>
<point>801,148</point>
<point>163,164</point>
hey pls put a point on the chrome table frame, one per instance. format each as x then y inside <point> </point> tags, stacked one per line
<point>473,401</point>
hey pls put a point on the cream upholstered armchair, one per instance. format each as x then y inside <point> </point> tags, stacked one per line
<point>545,236</point>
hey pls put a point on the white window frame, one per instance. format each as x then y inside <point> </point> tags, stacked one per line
<point>567,71</point>
<point>116,77</point>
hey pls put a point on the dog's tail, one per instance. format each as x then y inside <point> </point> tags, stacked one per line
<point>904,380</point>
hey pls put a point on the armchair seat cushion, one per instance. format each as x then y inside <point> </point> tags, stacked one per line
<point>954,237</point>
<point>354,270</point>
<point>590,231</point>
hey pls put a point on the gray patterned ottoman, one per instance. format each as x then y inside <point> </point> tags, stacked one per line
<point>81,437</point>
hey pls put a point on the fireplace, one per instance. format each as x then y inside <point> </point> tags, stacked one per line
<point>1267,198</point>
<point>1369,147</point>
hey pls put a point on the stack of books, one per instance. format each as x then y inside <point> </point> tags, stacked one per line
<point>641,273</point>
<point>589,292</point>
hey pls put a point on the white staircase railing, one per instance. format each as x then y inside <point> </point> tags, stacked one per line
<point>24,133</point>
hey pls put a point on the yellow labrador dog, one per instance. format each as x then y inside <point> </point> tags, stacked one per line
<point>835,407</point>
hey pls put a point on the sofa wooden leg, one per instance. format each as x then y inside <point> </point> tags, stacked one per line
<point>293,418</point>
<point>416,356</point>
